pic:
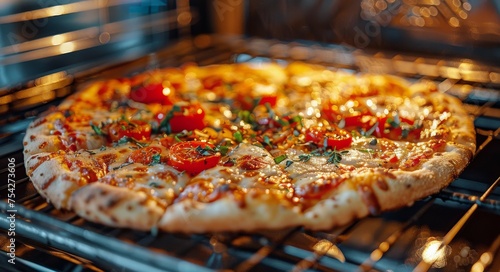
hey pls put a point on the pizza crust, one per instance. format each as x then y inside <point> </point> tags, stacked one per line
<point>50,180</point>
<point>116,207</point>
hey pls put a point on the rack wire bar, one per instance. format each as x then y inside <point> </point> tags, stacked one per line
<point>341,249</point>
<point>424,265</point>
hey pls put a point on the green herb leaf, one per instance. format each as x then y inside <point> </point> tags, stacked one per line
<point>373,141</point>
<point>238,137</point>
<point>371,130</point>
<point>280,158</point>
<point>394,122</point>
<point>223,149</point>
<point>122,165</point>
<point>97,130</point>
<point>267,140</point>
<point>304,157</point>
<point>126,139</point>
<point>296,119</point>
<point>155,159</point>
<point>288,163</point>
<point>247,117</point>
<point>334,158</point>
<point>165,123</point>
<point>205,151</point>
<point>404,133</point>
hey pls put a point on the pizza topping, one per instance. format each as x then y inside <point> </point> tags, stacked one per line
<point>181,116</point>
<point>135,129</point>
<point>162,93</point>
<point>193,156</point>
<point>291,137</point>
<point>333,138</point>
<point>249,162</point>
<point>148,155</point>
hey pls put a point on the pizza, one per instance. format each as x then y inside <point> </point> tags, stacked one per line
<point>244,147</point>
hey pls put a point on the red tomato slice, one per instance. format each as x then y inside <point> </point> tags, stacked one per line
<point>248,102</point>
<point>364,120</point>
<point>384,129</point>
<point>136,129</point>
<point>144,155</point>
<point>154,93</point>
<point>193,156</point>
<point>338,139</point>
<point>210,82</point>
<point>185,117</point>
<point>268,99</point>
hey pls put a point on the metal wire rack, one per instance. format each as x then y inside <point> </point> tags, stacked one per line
<point>455,230</point>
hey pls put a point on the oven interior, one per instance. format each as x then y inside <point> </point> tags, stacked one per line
<point>454,230</point>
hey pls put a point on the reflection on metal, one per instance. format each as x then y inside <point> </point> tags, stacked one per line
<point>85,38</point>
<point>420,13</point>
<point>434,253</point>
<point>325,247</point>
<point>62,10</point>
<point>487,257</point>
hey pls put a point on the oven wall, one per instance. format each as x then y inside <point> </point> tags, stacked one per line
<point>461,29</point>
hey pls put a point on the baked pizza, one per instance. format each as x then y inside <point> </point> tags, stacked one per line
<point>242,147</point>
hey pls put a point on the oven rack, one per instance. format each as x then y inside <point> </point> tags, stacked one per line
<point>50,39</point>
<point>456,229</point>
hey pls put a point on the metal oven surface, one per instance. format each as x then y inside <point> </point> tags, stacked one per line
<point>455,230</point>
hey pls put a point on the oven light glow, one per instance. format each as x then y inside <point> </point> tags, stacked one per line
<point>55,11</point>
<point>434,254</point>
<point>67,47</point>
<point>166,91</point>
<point>57,39</point>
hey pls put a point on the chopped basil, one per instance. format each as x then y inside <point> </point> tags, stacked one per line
<point>154,184</point>
<point>238,137</point>
<point>267,140</point>
<point>270,111</point>
<point>373,141</point>
<point>97,130</point>
<point>334,158</point>
<point>280,158</point>
<point>404,133</point>
<point>126,139</point>
<point>102,148</point>
<point>394,122</point>
<point>205,151</point>
<point>165,123</point>
<point>304,157</point>
<point>247,117</point>
<point>68,113</point>
<point>371,130</point>
<point>90,152</point>
<point>255,102</point>
<point>122,165</point>
<point>288,163</point>
<point>282,122</point>
<point>155,159</point>
<point>223,150</point>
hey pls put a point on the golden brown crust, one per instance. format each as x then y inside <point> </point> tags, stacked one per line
<point>117,207</point>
